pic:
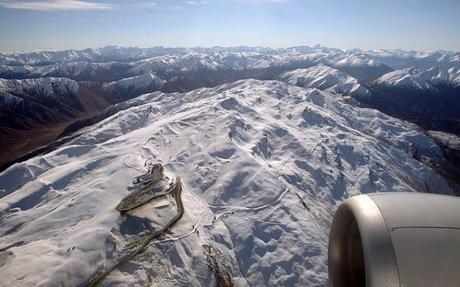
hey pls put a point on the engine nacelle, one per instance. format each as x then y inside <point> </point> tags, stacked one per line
<point>396,239</point>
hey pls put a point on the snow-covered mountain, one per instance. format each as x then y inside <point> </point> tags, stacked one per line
<point>426,97</point>
<point>454,76</point>
<point>9,100</point>
<point>33,112</point>
<point>437,75</point>
<point>396,59</point>
<point>420,79</point>
<point>40,87</point>
<point>113,74</point>
<point>38,100</point>
<point>78,70</point>
<point>136,83</point>
<point>325,78</point>
<point>410,78</point>
<point>356,60</point>
<point>83,65</point>
<point>116,53</point>
<point>263,166</point>
<point>361,66</point>
<point>399,59</point>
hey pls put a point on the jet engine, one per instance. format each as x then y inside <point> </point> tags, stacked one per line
<point>396,239</point>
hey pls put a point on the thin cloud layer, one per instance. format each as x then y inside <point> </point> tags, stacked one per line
<point>264,1</point>
<point>56,5</point>
<point>197,2</point>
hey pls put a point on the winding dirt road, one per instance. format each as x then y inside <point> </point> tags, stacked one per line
<point>145,240</point>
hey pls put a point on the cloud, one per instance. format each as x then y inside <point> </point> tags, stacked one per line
<point>56,5</point>
<point>264,1</point>
<point>197,2</point>
<point>143,5</point>
<point>151,4</point>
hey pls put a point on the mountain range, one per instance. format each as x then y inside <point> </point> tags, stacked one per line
<point>267,142</point>
<point>417,86</point>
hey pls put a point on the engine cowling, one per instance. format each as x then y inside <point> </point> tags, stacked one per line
<point>396,239</point>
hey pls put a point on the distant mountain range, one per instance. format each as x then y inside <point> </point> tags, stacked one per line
<point>50,90</point>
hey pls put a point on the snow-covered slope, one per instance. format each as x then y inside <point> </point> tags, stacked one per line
<point>421,79</point>
<point>359,65</point>
<point>136,83</point>
<point>454,76</point>
<point>436,75</point>
<point>410,78</point>
<point>341,58</point>
<point>40,87</point>
<point>42,57</point>
<point>75,70</point>
<point>238,61</point>
<point>114,63</point>
<point>356,60</point>
<point>167,65</point>
<point>324,78</point>
<point>13,93</point>
<point>10,100</point>
<point>399,59</point>
<point>263,165</point>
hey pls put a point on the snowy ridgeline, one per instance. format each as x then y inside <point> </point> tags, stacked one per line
<point>140,82</point>
<point>117,63</point>
<point>124,73</point>
<point>13,92</point>
<point>420,79</point>
<point>325,78</point>
<point>263,165</point>
<point>354,57</point>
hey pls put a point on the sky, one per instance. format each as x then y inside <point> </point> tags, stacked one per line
<point>27,25</point>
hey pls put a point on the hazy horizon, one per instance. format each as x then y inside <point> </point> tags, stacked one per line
<point>423,25</point>
<point>225,47</point>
